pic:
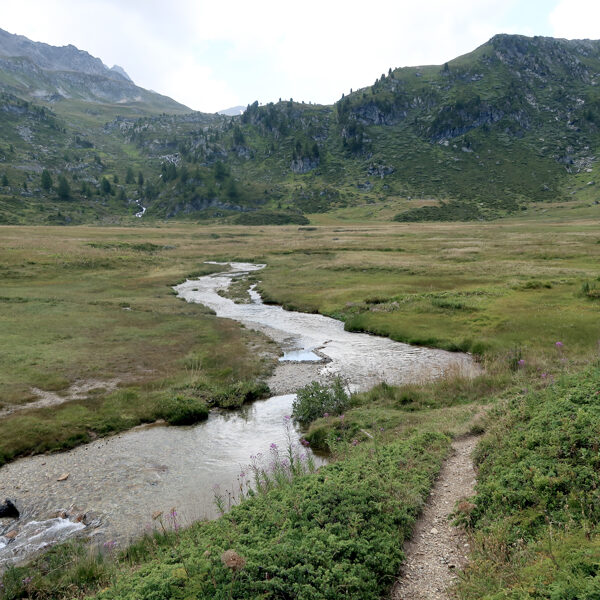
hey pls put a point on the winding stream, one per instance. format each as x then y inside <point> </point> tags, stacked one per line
<point>116,484</point>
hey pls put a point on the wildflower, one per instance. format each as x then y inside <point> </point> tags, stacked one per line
<point>242,474</point>
<point>325,415</point>
<point>544,375</point>
<point>286,417</point>
<point>273,446</point>
<point>27,580</point>
<point>521,362</point>
<point>382,429</point>
<point>559,344</point>
<point>304,442</point>
<point>342,417</point>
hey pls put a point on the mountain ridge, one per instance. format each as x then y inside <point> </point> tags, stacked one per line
<point>42,72</point>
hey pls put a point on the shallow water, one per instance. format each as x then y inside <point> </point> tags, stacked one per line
<point>363,360</point>
<point>300,356</point>
<point>119,482</point>
<point>122,480</point>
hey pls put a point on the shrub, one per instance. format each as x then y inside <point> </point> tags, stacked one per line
<point>182,410</point>
<point>590,290</point>
<point>315,400</point>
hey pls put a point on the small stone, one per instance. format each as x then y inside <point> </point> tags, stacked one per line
<point>11,535</point>
<point>63,477</point>
<point>434,531</point>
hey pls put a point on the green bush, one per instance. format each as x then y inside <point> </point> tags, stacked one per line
<point>316,400</point>
<point>182,410</point>
<point>234,395</point>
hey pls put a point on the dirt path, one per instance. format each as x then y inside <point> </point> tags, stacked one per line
<point>437,549</point>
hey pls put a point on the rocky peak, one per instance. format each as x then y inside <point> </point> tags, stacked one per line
<point>55,58</point>
<point>121,71</point>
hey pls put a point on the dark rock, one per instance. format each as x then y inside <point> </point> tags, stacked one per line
<point>8,510</point>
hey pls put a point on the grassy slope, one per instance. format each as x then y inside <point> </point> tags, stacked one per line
<point>535,517</point>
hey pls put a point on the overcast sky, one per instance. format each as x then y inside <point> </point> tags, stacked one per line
<point>213,55</point>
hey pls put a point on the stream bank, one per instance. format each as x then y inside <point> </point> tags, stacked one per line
<point>116,484</point>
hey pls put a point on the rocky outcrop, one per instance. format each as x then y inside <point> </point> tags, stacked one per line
<point>304,164</point>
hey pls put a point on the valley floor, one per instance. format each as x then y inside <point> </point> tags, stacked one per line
<point>520,294</point>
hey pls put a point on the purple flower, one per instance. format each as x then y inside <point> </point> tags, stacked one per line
<point>304,442</point>
<point>273,446</point>
<point>354,442</point>
<point>544,375</point>
<point>325,414</point>
<point>342,417</point>
<point>559,344</point>
<point>521,362</point>
<point>27,580</point>
<point>286,417</point>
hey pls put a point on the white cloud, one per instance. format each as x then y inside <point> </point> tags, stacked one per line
<point>211,55</point>
<point>576,19</point>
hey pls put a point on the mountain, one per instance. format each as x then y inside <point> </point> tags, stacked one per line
<point>515,122</point>
<point>41,72</point>
<point>234,111</point>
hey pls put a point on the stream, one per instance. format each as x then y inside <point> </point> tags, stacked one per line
<point>111,488</point>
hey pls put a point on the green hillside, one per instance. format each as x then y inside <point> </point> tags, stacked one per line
<point>514,122</point>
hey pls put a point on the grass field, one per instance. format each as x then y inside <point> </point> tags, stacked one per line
<point>86,303</point>
<point>95,303</point>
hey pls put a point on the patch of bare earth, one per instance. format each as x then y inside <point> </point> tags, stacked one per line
<point>438,549</point>
<point>78,391</point>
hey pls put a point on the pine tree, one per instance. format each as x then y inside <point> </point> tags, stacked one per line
<point>46,181</point>
<point>105,186</point>
<point>63,189</point>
